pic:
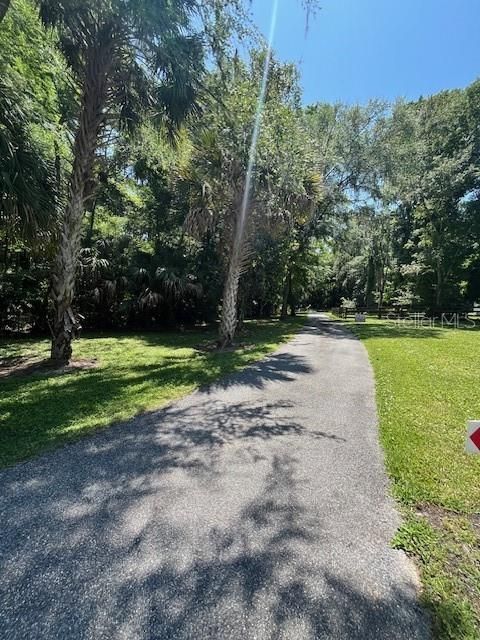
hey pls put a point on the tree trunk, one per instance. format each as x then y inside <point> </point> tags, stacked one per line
<point>287,287</point>
<point>6,247</point>
<point>4,4</point>
<point>380,304</point>
<point>228,320</point>
<point>90,122</point>
<point>439,291</point>
<point>370,283</point>
<point>381,291</point>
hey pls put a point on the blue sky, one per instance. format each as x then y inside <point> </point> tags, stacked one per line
<point>360,49</point>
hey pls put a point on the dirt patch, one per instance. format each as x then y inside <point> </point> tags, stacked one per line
<point>459,541</point>
<point>437,516</point>
<point>25,366</point>
<point>213,347</point>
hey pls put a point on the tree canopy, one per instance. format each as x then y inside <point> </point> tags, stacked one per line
<point>125,134</point>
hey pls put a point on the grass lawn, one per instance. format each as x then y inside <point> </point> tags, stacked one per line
<point>428,385</point>
<point>135,373</point>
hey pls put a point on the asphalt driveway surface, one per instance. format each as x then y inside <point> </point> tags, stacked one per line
<point>255,509</point>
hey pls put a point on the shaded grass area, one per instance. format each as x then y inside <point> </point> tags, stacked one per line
<point>428,386</point>
<point>135,373</point>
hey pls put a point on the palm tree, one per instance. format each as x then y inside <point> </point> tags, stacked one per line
<point>129,58</point>
<point>233,195</point>
<point>216,182</point>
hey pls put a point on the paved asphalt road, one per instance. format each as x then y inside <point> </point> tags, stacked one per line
<point>256,509</point>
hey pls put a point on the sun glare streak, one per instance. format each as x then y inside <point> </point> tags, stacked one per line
<point>258,121</point>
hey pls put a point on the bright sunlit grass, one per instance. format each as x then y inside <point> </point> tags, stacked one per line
<point>428,386</point>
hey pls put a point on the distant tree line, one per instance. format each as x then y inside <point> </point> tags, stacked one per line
<point>411,238</point>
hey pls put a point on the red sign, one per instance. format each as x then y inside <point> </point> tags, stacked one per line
<point>475,438</point>
<point>472,443</point>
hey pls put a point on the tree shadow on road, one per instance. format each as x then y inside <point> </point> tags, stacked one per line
<point>279,367</point>
<point>182,524</point>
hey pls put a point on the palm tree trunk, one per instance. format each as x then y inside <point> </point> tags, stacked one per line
<point>90,123</point>
<point>65,323</point>
<point>228,319</point>
<point>4,4</point>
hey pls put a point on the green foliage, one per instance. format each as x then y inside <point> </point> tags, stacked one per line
<point>33,95</point>
<point>32,74</point>
<point>155,56</point>
<point>418,165</point>
<point>376,204</point>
